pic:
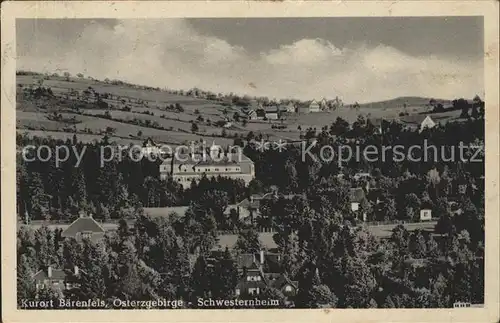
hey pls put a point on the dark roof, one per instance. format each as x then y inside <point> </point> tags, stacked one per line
<point>272,262</point>
<point>223,162</point>
<point>57,274</point>
<point>246,203</point>
<point>271,109</point>
<point>357,194</point>
<point>82,224</point>
<point>415,119</point>
<point>205,159</point>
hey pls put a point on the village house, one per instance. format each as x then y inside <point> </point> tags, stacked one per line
<point>250,207</point>
<point>258,271</point>
<point>425,214</point>
<point>251,114</point>
<point>379,124</point>
<point>454,208</point>
<point>272,113</point>
<point>55,279</point>
<point>357,199</point>
<point>314,106</point>
<point>185,169</point>
<point>308,107</point>
<point>149,147</point>
<point>323,105</point>
<point>85,227</point>
<point>260,114</point>
<point>419,121</point>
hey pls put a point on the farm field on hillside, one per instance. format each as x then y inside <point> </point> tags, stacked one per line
<point>177,125</point>
<point>119,90</point>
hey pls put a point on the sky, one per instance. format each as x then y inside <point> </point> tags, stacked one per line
<point>359,59</point>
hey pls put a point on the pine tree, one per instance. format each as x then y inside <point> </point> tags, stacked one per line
<point>93,275</point>
<point>248,241</point>
<point>25,283</point>
<point>225,276</point>
<point>201,278</point>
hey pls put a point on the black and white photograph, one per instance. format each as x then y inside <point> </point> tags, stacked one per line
<point>248,163</point>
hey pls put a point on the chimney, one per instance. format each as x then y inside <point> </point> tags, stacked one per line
<point>262,257</point>
<point>49,271</point>
<point>77,271</point>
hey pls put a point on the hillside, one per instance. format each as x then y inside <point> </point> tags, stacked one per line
<point>400,102</point>
<point>129,114</point>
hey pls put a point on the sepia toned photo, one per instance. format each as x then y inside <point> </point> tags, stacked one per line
<point>245,163</point>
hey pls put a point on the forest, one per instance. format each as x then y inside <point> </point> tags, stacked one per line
<point>335,260</point>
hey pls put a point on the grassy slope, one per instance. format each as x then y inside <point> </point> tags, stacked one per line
<point>33,120</point>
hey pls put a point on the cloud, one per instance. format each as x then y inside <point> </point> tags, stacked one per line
<point>169,53</point>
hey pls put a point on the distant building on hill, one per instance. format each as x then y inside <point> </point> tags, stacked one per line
<point>314,106</point>
<point>185,169</point>
<point>150,147</point>
<point>308,107</point>
<point>85,227</point>
<point>323,105</point>
<point>419,121</point>
<point>252,115</point>
<point>272,113</point>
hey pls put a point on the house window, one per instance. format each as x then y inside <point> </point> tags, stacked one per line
<point>86,235</point>
<point>216,169</point>
<point>237,291</point>
<point>253,291</point>
<point>288,288</point>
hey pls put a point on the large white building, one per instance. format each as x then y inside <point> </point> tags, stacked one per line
<point>184,168</point>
